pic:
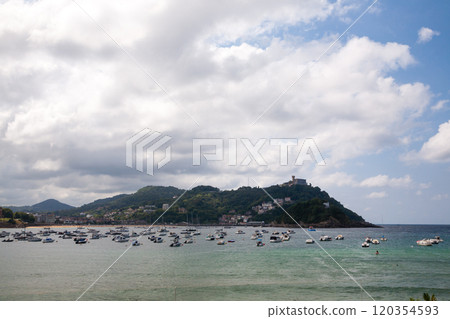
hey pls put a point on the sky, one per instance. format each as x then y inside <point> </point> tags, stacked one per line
<point>366,82</point>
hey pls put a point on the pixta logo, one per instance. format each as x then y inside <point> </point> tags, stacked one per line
<point>141,148</point>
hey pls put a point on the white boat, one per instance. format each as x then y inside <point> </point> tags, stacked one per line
<point>240,232</point>
<point>162,234</point>
<point>173,234</point>
<point>197,233</point>
<point>210,237</point>
<point>82,240</point>
<point>339,237</point>
<point>310,241</point>
<point>34,239</point>
<point>221,242</point>
<point>120,239</point>
<point>189,241</point>
<point>289,231</point>
<point>383,238</point>
<point>176,243</point>
<point>438,238</point>
<point>162,230</point>
<point>48,240</point>
<point>135,243</point>
<point>325,238</point>
<point>8,240</point>
<point>254,237</point>
<point>286,237</point>
<point>424,242</point>
<point>275,239</point>
<point>375,241</point>
<point>158,240</point>
<point>365,244</point>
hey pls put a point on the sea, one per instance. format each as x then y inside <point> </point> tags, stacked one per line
<point>292,270</point>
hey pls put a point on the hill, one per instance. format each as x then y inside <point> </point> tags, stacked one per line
<point>209,205</point>
<point>47,206</point>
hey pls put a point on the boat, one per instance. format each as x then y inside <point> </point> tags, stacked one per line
<point>365,244</point>
<point>8,240</point>
<point>162,234</point>
<point>424,242</point>
<point>259,243</point>
<point>221,242</point>
<point>290,231</point>
<point>4,234</point>
<point>158,240</point>
<point>339,237</point>
<point>196,233</point>
<point>275,233</point>
<point>173,234</point>
<point>219,236</point>
<point>152,238</point>
<point>438,238</point>
<point>48,240</point>
<point>383,238</point>
<point>176,243</point>
<point>210,237</point>
<point>265,231</point>
<point>286,237</point>
<point>95,236</point>
<point>189,241</point>
<point>240,232</point>
<point>325,238</point>
<point>311,228</point>
<point>34,239</point>
<point>375,241</point>
<point>81,240</point>
<point>368,240</point>
<point>310,241</point>
<point>162,230</point>
<point>275,239</point>
<point>120,239</point>
<point>231,241</point>
<point>135,243</point>
<point>254,237</point>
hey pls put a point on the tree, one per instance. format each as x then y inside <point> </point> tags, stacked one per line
<point>7,213</point>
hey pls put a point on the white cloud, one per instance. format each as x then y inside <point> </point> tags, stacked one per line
<point>384,180</point>
<point>376,195</point>
<point>426,34</point>
<point>440,197</point>
<point>436,149</point>
<point>439,105</point>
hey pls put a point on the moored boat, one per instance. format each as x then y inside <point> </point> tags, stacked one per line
<point>424,242</point>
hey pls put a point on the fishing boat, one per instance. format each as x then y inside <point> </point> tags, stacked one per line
<point>310,241</point>
<point>275,239</point>
<point>48,240</point>
<point>135,243</point>
<point>339,237</point>
<point>81,240</point>
<point>424,242</point>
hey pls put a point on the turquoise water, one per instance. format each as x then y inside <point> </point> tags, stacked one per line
<point>236,271</point>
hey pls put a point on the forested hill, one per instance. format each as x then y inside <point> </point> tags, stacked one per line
<point>208,205</point>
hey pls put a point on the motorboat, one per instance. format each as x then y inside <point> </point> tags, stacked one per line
<point>275,239</point>
<point>162,230</point>
<point>34,239</point>
<point>310,241</point>
<point>438,238</point>
<point>339,237</point>
<point>81,240</point>
<point>383,238</point>
<point>375,241</point>
<point>4,234</point>
<point>95,236</point>
<point>231,240</point>
<point>219,236</point>
<point>8,240</point>
<point>176,243</point>
<point>275,233</point>
<point>135,243</point>
<point>289,231</point>
<point>120,239</point>
<point>259,243</point>
<point>210,237</point>
<point>240,232</point>
<point>189,241</point>
<point>434,241</point>
<point>162,234</point>
<point>158,240</point>
<point>424,242</point>
<point>286,237</point>
<point>365,244</point>
<point>325,238</point>
<point>152,238</point>
<point>254,237</point>
<point>173,234</point>
<point>265,231</point>
<point>48,240</point>
<point>311,228</point>
<point>196,233</point>
<point>221,242</point>
<point>368,240</point>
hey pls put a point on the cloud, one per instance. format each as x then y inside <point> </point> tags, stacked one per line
<point>376,195</point>
<point>439,105</point>
<point>440,197</point>
<point>384,180</point>
<point>426,34</point>
<point>436,149</point>
<point>71,98</point>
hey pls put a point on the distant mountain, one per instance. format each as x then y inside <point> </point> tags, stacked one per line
<point>47,206</point>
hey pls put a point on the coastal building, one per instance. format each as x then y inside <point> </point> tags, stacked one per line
<point>165,206</point>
